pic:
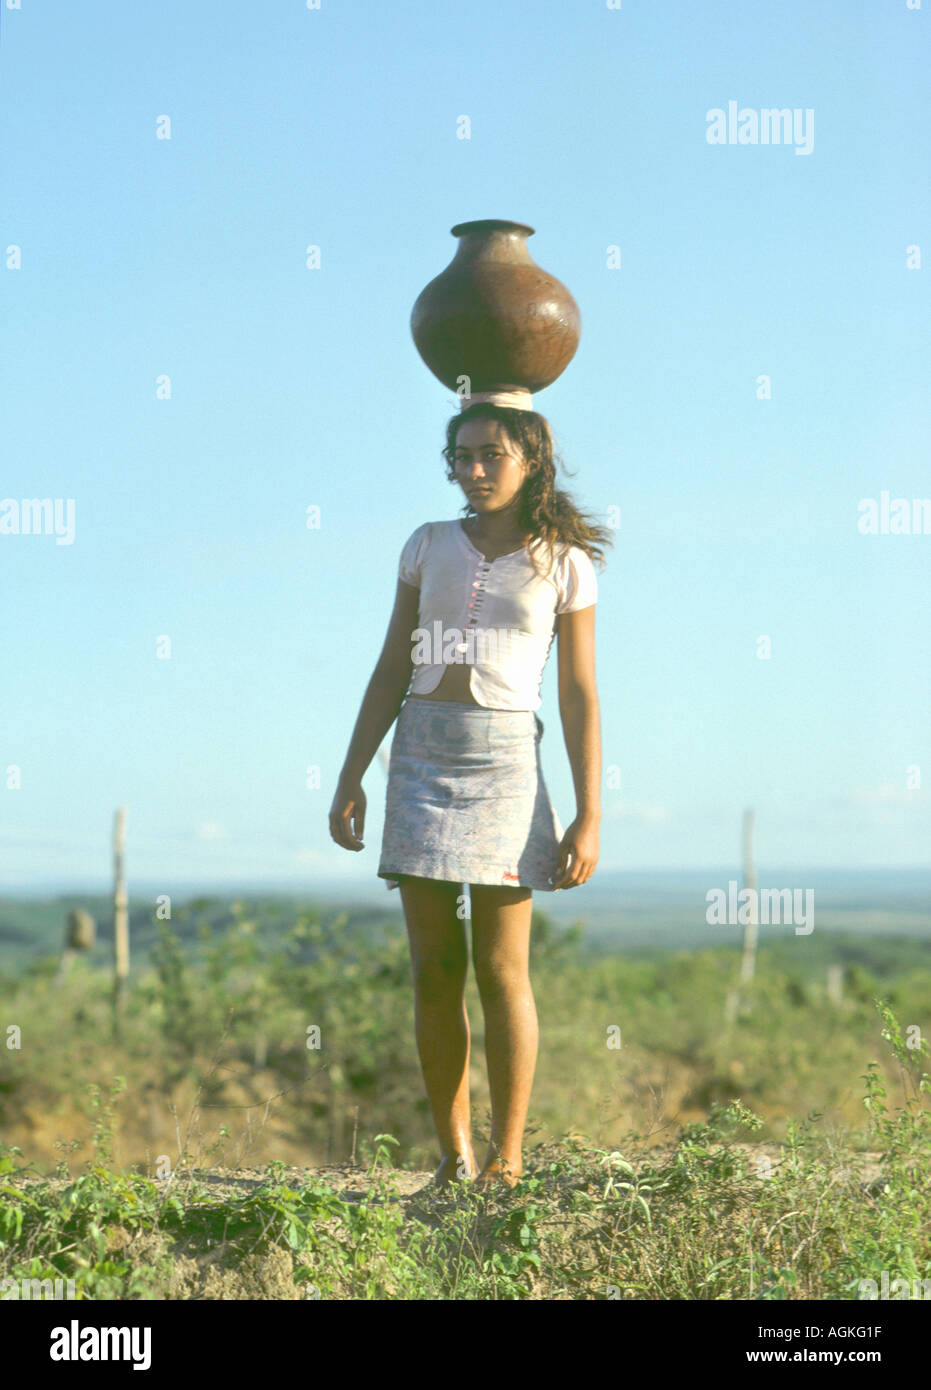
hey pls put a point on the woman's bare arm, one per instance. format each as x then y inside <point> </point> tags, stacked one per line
<point>381,703</point>
<point>581,722</point>
<point>387,687</point>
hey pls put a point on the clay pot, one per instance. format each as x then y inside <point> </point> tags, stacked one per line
<point>493,315</point>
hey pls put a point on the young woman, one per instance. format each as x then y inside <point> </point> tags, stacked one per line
<point>478,604</point>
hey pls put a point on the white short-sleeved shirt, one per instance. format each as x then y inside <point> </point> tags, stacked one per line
<point>497,616</point>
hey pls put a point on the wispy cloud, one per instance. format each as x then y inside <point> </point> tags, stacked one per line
<point>211,830</point>
<point>635,810</point>
<point>889,794</point>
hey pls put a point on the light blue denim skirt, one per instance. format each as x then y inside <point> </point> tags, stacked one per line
<point>466,799</point>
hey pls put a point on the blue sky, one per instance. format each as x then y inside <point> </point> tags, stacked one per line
<point>290,388</point>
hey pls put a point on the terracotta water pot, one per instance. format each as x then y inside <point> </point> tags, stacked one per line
<point>493,315</point>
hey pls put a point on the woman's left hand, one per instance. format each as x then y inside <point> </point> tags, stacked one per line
<point>580,842</point>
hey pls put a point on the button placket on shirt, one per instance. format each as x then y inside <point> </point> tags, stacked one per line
<point>475,602</point>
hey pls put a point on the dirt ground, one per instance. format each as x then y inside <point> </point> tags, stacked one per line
<point>224,1270</point>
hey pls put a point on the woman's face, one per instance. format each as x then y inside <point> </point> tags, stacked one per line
<point>490,468</point>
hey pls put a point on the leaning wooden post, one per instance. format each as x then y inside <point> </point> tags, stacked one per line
<point>748,963</point>
<point>120,917</point>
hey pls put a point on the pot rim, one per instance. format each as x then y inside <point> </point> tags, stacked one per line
<point>490,224</point>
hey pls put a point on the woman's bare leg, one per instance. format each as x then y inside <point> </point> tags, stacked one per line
<point>501,952</point>
<point>439,960</point>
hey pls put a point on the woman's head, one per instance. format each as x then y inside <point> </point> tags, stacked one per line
<point>485,455</point>
<point>511,453</point>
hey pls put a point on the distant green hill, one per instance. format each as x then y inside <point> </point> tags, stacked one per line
<point>882,939</point>
<point>33,928</point>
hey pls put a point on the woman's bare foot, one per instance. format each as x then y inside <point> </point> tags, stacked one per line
<point>498,1173</point>
<point>454,1169</point>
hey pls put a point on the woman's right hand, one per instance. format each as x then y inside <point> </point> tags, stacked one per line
<point>348,806</point>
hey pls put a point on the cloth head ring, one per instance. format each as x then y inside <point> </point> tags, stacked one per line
<point>520,399</point>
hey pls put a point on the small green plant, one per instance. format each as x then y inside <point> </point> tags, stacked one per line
<point>8,1155</point>
<point>382,1153</point>
<point>106,1118</point>
<point>910,1127</point>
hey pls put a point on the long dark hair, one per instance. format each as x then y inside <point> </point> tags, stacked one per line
<point>545,510</point>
